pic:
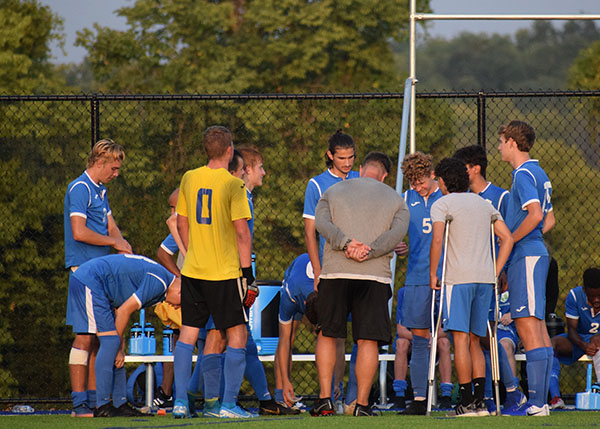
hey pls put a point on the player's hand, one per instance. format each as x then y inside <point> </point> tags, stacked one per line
<point>250,289</point>
<point>120,359</point>
<point>122,246</point>
<point>288,393</point>
<point>172,222</point>
<point>505,319</point>
<point>434,283</point>
<point>357,251</point>
<point>590,349</point>
<point>401,249</point>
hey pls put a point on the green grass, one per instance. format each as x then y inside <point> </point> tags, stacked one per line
<point>388,419</point>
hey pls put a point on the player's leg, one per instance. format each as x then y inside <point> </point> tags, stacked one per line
<point>401,366</point>
<point>91,375</point>
<point>352,388</point>
<point>235,364</point>
<point>367,362</point>
<point>197,380</point>
<point>337,382</point>
<point>445,369</point>
<point>564,349</point>
<point>514,398</point>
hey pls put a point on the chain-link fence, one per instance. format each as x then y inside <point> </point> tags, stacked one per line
<point>44,142</point>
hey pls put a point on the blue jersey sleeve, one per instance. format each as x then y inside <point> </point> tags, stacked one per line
<point>571,307</point>
<point>287,308</point>
<point>526,191</point>
<point>311,198</point>
<point>153,288</point>
<point>79,199</point>
<point>169,245</point>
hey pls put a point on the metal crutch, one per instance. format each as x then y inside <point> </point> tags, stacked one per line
<point>494,332</point>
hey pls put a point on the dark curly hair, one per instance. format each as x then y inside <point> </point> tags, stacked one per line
<point>454,173</point>
<point>591,278</point>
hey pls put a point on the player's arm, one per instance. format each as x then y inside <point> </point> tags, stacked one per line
<point>82,233</point>
<point>172,224</point>
<point>435,252</point>
<point>167,261</point>
<point>244,241</point>
<point>549,222</point>
<point>389,240</point>
<point>531,221</point>
<point>121,245</point>
<point>282,356</point>
<point>574,336</point>
<point>506,244</point>
<point>122,315</point>
<point>183,227</point>
<point>312,247</point>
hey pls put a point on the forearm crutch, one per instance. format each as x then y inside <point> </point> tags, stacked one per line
<point>436,326</point>
<point>494,332</point>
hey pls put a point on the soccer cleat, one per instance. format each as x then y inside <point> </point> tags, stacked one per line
<point>514,400</point>
<point>180,409</point>
<point>557,403</point>
<point>516,410</point>
<point>415,408</point>
<point>400,402</point>
<point>363,410</point>
<point>236,412</point>
<point>107,410</point>
<point>463,411</point>
<point>212,408</point>
<point>192,403</point>
<point>490,405</point>
<point>126,410</point>
<point>339,406</point>
<point>482,409</point>
<point>445,403</point>
<point>162,400</point>
<point>349,408</point>
<point>534,411</point>
<point>82,411</point>
<point>272,408</point>
<point>322,407</point>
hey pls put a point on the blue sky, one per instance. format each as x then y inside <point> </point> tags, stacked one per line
<point>79,14</point>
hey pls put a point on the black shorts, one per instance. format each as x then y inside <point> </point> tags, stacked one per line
<point>367,300</point>
<point>220,299</point>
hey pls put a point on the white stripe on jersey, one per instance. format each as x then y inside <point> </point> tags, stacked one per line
<point>88,188</point>
<point>89,310</point>
<point>530,262</point>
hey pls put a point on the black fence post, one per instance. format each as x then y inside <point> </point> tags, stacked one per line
<point>95,119</point>
<point>481,119</point>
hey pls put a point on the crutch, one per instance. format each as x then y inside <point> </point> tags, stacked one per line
<point>494,332</point>
<point>436,326</point>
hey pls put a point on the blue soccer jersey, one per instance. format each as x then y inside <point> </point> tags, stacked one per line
<point>399,304</point>
<point>169,245</point>
<point>419,236</point>
<point>251,220</point>
<point>86,199</point>
<point>496,196</point>
<point>119,277</point>
<point>530,185</point>
<point>314,190</point>
<point>577,308</point>
<point>298,283</point>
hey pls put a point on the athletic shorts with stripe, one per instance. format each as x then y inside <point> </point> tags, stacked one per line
<point>90,312</point>
<point>526,279</point>
<point>220,299</point>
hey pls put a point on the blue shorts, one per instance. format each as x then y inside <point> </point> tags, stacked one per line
<point>527,286</point>
<point>416,307</point>
<point>288,310</point>
<point>89,312</point>
<point>508,333</point>
<point>469,304</point>
<point>577,352</point>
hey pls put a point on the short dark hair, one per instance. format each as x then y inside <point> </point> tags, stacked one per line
<point>521,132</point>
<point>378,158</point>
<point>235,162</point>
<point>473,155</point>
<point>591,278</point>
<point>338,140</point>
<point>454,173</point>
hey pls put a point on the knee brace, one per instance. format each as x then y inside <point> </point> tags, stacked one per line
<point>78,357</point>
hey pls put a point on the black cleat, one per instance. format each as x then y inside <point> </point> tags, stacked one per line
<point>127,410</point>
<point>107,410</point>
<point>162,400</point>
<point>445,403</point>
<point>363,410</point>
<point>415,408</point>
<point>400,402</point>
<point>322,407</point>
<point>272,408</point>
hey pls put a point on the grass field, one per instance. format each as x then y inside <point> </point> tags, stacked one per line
<point>390,419</point>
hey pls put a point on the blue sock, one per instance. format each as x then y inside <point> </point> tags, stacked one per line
<point>419,365</point>
<point>549,369</point>
<point>182,368</point>
<point>235,364</point>
<point>506,375</point>
<point>91,399</point>
<point>536,375</point>
<point>197,382</point>
<point>400,387</point>
<point>446,389</point>
<point>488,374</point>
<point>222,380</point>
<point>352,388</point>
<point>105,362</point>
<point>554,378</point>
<point>119,392</point>
<point>211,372</point>
<point>279,395</point>
<point>255,371</point>
<point>79,398</point>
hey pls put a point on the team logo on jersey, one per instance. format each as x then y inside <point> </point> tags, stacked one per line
<point>415,203</point>
<point>521,309</point>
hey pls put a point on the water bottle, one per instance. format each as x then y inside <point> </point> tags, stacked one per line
<point>136,330</point>
<point>168,341</point>
<point>23,409</point>
<point>149,330</point>
<point>149,342</point>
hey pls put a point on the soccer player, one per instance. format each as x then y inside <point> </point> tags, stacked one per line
<point>475,160</point>
<point>469,276</point>
<point>362,220</point>
<point>528,215</point>
<point>416,311</point>
<point>90,231</point>
<point>582,309</point>
<point>298,282</point>
<point>403,345</point>
<point>104,292</point>
<point>212,219</point>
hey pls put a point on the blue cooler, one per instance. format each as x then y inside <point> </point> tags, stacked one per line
<point>264,320</point>
<point>590,399</point>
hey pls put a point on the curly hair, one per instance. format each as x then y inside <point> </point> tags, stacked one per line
<point>454,174</point>
<point>416,166</point>
<point>591,278</point>
<point>521,132</point>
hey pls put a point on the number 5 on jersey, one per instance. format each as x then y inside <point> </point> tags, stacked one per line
<point>204,206</point>
<point>426,225</point>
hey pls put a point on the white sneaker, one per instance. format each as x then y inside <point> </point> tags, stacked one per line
<point>236,412</point>
<point>339,407</point>
<point>557,403</point>
<point>535,411</point>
